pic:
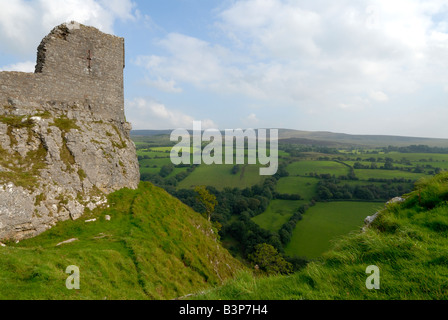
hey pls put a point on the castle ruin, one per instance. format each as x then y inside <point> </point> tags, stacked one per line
<point>64,139</point>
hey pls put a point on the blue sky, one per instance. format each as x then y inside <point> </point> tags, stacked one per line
<point>360,67</point>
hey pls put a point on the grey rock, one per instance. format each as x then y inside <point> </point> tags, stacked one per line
<point>370,219</point>
<point>67,241</point>
<point>396,200</point>
<point>64,141</point>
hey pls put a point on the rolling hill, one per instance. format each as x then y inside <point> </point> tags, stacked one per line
<point>153,247</point>
<point>332,139</point>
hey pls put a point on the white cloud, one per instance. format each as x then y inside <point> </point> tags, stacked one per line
<point>306,53</point>
<point>27,66</point>
<point>188,60</point>
<point>149,114</point>
<point>252,120</point>
<point>379,96</point>
<point>273,28</point>
<point>23,24</point>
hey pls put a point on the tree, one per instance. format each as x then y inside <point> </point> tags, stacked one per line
<point>206,200</point>
<point>268,259</point>
<point>235,169</point>
<point>166,170</point>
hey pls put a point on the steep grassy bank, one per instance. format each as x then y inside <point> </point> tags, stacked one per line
<point>408,242</point>
<point>154,247</point>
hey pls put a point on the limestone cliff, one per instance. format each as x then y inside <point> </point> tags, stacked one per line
<point>64,141</point>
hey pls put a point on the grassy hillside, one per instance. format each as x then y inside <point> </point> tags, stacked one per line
<point>408,243</point>
<point>154,247</point>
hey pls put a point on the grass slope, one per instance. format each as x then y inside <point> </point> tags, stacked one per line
<point>408,242</point>
<point>154,247</point>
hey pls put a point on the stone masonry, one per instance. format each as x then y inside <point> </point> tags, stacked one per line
<point>64,140</point>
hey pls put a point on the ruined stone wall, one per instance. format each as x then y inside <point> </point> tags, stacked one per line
<point>76,65</point>
<point>64,140</point>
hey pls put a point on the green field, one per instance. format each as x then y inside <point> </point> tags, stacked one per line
<point>365,174</point>
<point>303,168</point>
<point>155,162</point>
<point>277,214</point>
<point>407,243</point>
<point>153,166</point>
<point>413,157</point>
<point>220,177</point>
<point>324,223</point>
<point>378,164</point>
<point>435,164</point>
<point>305,187</point>
<point>417,156</point>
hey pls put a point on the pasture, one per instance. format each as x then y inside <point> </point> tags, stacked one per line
<point>220,177</point>
<point>277,214</point>
<point>304,186</point>
<point>366,174</point>
<point>304,168</point>
<point>326,222</point>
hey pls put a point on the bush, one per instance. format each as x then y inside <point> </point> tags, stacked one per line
<point>269,260</point>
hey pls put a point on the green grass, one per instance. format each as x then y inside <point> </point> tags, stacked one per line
<point>325,222</point>
<point>407,242</point>
<point>434,164</point>
<point>155,162</point>
<point>365,174</point>
<point>149,170</point>
<point>153,154</point>
<point>413,157</point>
<point>277,214</point>
<point>220,176</point>
<point>22,171</point>
<point>177,171</point>
<point>378,164</point>
<point>302,168</point>
<point>65,124</point>
<point>154,247</point>
<point>305,187</point>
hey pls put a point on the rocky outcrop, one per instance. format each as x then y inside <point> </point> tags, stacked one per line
<point>55,168</point>
<point>370,219</point>
<point>61,154</point>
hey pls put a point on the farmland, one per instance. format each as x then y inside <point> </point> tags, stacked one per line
<point>326,222</point>
<point>220,177</point>
<point>277,214</point>
<point>318,194</point>
<point>305,168</point>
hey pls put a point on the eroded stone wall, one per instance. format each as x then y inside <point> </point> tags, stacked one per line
<point>76,64</point>
<point>64,141</point>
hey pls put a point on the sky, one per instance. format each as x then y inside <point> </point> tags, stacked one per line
<point>359,67</point>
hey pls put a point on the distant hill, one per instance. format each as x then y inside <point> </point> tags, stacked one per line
<point>332,139</point>
<point>150,132</point>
